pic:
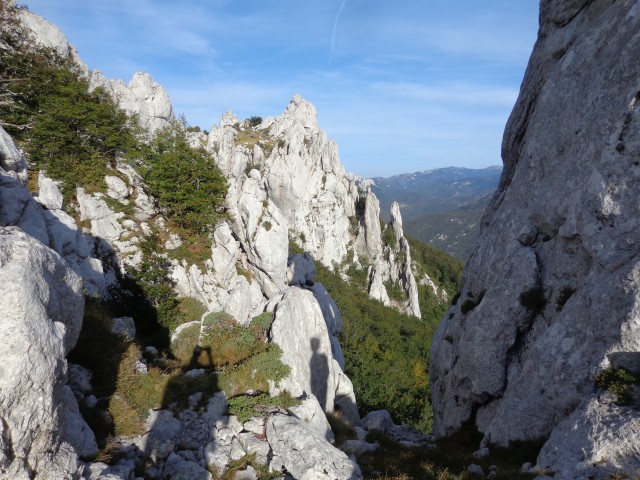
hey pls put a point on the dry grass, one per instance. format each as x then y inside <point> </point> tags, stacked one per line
<point>447,461</point>
<point>185,346</point>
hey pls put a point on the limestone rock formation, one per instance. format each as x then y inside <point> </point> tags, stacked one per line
<point>42,307</point>
<point>142,96</point>
<point>304,453</point>
<point>553,284</point>
<point>11,159</point>
<point>285,174</point>
<point>48,35</point>
<point>314,370</point>
<point>51,225</point>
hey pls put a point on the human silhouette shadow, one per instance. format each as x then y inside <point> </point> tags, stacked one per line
<point>319,368</point>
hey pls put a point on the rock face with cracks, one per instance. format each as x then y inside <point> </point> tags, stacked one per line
<point>553,285</point>
<point>41,308</point>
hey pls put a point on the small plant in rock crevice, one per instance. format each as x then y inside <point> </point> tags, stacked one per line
<point>534,300</point>
<point>247,406</point>
<point>618,382</point>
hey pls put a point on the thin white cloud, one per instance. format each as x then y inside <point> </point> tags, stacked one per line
<point>333,30</point>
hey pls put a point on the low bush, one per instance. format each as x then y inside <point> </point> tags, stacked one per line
<point>448,460</point>
<point>254,373</point>
<point>262,471</point>
<point>262,324</point>
<point>618,382</point>
<point>247,406</point>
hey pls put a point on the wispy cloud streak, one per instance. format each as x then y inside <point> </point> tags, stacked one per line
<point>333,31</point>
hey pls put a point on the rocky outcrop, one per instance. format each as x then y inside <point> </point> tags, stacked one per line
<point>284,173</point>
<point>49,36</point>
<point>50,225</point>
<point>142,97</point>
<point>597,440</point>
<point>11,159</point>
<point>314,370</point>
<point>304,453</point>
<point>553,284</point>
<point>42,307</point>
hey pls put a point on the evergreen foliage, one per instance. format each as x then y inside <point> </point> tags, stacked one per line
<point>186,182</point>
<point>45,104</point>
<point>386,353</point>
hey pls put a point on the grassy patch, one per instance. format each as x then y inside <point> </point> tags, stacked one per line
<point>248,274</point>
<point>185,346</point>
<point>190,309</point>
<point>342,430</point>
<point>195,250</point>
<point>262,471</point>
<point>447,461</point>
<point>247,406</point>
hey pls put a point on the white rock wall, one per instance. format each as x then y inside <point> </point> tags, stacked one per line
<point>564,222</point>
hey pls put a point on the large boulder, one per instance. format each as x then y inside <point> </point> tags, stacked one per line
<point>42,307</point>
<point>314,370</point>
<point>11,159</point>
<point>308,352</point>
<point>305,453</point>
<point>554,282</point>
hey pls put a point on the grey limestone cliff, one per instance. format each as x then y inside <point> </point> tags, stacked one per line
<point>553,287</point>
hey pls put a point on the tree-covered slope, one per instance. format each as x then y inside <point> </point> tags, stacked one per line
<point>386,352</point>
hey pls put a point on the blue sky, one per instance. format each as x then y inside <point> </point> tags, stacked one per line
<point>402,86</point>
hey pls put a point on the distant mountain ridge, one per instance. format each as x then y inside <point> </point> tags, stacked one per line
<point>442,206</point>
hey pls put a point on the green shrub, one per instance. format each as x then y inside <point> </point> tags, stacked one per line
<point>247,406</point>
<point>618,382</point>
<point>186,181</point>
<point>254,121</point>
<point>254,373</point>
<point>395,291</point>
<point>262,324</point>
<point>379,359</point>
<point>226,343</point>
<point>534,300</point>
<point>155,287</point>
<point>389,237</point>
<point>267,225</point>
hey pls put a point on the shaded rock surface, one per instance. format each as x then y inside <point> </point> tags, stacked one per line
<point>42,307</point>
<point>552,286</point>
<point>305,454</point>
